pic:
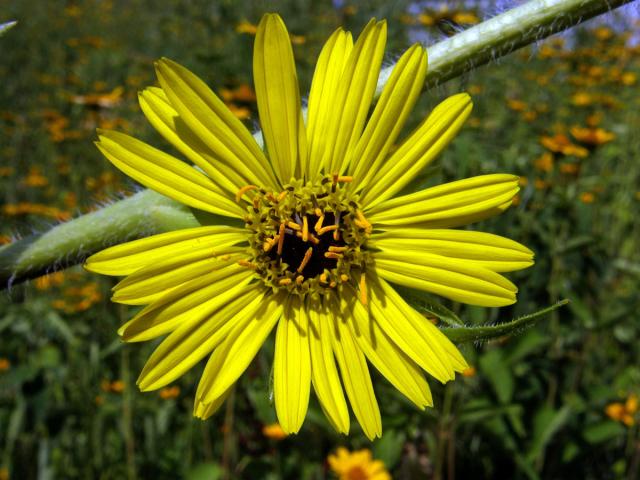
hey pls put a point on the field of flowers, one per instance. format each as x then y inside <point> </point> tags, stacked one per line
<point>559,400</point>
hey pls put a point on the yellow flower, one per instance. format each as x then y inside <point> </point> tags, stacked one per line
<point>560,143</point>
<point>623,412</point>
<point>358,465</point>
<point>324,232</point>
<point>274,431</point>
<point>592,136</point>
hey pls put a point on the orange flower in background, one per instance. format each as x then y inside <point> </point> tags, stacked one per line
<point>35,178</point>
<point>623,412</point>
<point>582,99</point>
<point>544,163</point>
<point>4,239</point>
<point>6,171</point>
<point>4,364</point>
<point>274,431</point>
<point>516,105</point>
<point>569,168</point>
<point>167,393</point>
<point>587,197</point>
<point>100,100</point>
<point>246,27</point>
<point>242,93</point>
<point>358,465</point>
<point>469,372</point>
<point>592,136</point>
<point>560,143</point>
<point>47,281</point>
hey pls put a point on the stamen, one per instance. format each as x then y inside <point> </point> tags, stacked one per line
<point>332,284</point>
<point>336,232</point>
<point>282,195</point>
<point>293,225</point>
<point>363,289</point>
<point>248,264</point>
<point>318,212</point>
<point>256,202</point>
<point>344,277</point>
<point>345,179</point>
<point>334,255</point>
<point>299,279</point>
<point>335,177</point>
<point>363,219</point>
<point>318,225</point>
<point>269,243</point>
<point>328,228</point>
<point>280,239</point>
<point>305,229</point>
<point>333,248</point>
<point>305,259</point>
<point>244,190</point>
<point>284,281</point>
<point>270,196</point>
<point>323,278</point>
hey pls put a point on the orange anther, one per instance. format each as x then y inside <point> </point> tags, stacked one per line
<point>305,259</point>
<point>323,278</point>
<point>344,277</point>
<point>363,289</point>
<point>326,229</point>
<point>333,248</point>
<point>305,229</point>
<point>345,179</point>
<point>293,225</point>
<point>299,279</point>
<point>284,281</point>
<point>247,263</point>
<point>282,195</point>
<point>318,224</point>
<point>280,238</point>
<point>333,255</point>
<point>244,190</point>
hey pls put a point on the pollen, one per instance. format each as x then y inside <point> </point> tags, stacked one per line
<point>243,191</point>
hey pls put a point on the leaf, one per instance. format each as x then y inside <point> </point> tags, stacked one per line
<point>204,471</point>
<point>499,375</point>
<point>603,432</point>
<point>389,448</point>
<point>474,334</point>
<point>546,424</point>
<point>4,27</point>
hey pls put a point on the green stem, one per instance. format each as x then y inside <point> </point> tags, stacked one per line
<point>142,214</point>
<point>148,213</point>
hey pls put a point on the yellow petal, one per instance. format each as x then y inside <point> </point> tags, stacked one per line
<point>478,248</point>
<point>128,257</point>
<point>322,97</point>
<point>396,102</point>
<point>451,278</point>
<point>278,97</point>
<point>451,204</point>
<point>195,339</point>
<point>234,355</point>
<point>167,122</point>
<point>165,174</point>
<point>152,282</point>
<point>355,377</point>
<point>385,355</point>
<point>212,121</point>
<point>414,334</point>
<point>324,373</point>
<point>292,367</point>
<point>187,303</point>
<point>204,411</point>
<point>417,151</point>
<point>355,93</point>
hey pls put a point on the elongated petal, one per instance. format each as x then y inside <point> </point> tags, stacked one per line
<point>278,97</point>
<point>385,355</point>
<point>152,282</point>
<point>451,278</point>
<point>418,150</point>
<point>486,250</point>
<point>451,204</point>
<point>165,174</point>
<point>128,257</point>
<point>324,374</point>
<point>212,121</point>
<point>234,355</point>
<point>167,122</point>
<point>322,97</point>
<point>356,379</point>
<point>292,367</point>
<point>204,411</point>
<point>355,93</point>
<point>414,334</point>
<point>197,337</point>
<point>189,302</point>
<point>396,102</point>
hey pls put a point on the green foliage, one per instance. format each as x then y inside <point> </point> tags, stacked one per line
<point>535,406</point>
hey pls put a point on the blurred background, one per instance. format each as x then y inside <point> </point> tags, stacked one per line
<point>556,401</point>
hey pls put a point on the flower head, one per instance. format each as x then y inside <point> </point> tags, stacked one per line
<point>358,465</point>
<point>324,232</point>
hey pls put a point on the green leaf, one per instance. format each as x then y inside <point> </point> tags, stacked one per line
<point>546,424</point>
<point>4,27</point>
<point>518,325</point>
<point>204,471</point>
<point>389,448</point>
<point>603,432</point>
<point>499,375</point>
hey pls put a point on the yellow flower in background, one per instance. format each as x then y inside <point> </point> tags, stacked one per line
<point>592,136</point>
<point>324,234</point>
<point>358,465</point>
<point>274,431</point>
<point>623,412</point>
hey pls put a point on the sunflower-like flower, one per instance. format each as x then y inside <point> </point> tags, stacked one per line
<point>324,232</point>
